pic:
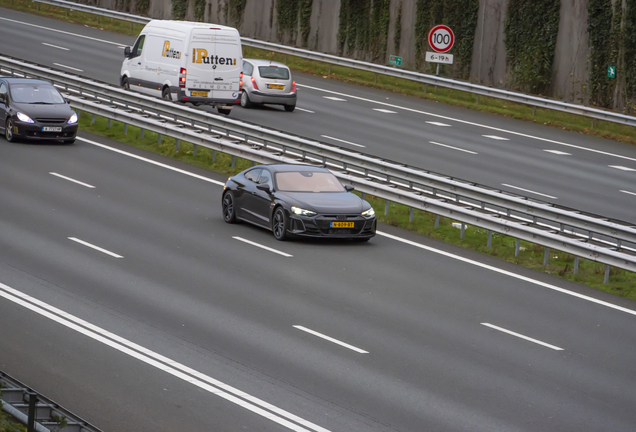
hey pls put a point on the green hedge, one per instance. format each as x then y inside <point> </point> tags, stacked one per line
<point>364,27</point>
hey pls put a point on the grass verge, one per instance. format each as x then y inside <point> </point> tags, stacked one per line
<point>560,264</point>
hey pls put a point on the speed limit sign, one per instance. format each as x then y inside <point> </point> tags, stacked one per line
<point>441,38</point>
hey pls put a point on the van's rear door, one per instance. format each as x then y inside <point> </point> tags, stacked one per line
<point>216,64</point>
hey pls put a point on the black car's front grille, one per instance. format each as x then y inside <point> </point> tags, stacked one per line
<point>59,135</point>
<point>51,120</point>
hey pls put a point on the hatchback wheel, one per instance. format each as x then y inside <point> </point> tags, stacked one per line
<point>8,131</point>
<point>245,100</point>
<point>290,108</point>
<point>229,214</point>
<point>279,225</point>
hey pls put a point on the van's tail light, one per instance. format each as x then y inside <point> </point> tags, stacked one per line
<point>241,76</point>
<point>293,90</point>
<point>182,78</point>
<point>241,83</point>
<point>254,84</point>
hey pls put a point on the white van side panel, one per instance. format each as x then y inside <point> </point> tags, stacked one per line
<point>163,60</point>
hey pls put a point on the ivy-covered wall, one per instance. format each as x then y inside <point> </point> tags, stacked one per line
<point>363,29</point>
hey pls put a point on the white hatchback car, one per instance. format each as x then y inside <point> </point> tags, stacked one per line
<point>267,82</point>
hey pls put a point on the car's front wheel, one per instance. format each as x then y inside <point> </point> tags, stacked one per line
<point>8,131</point>
<point>229,214</point>
<point>125,84</point>
<point>279,224</point>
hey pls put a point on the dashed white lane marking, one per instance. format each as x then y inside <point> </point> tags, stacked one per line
<point>165,364</point>
<point>557,152</point>
<point>97,248</point>
<point>55,46</point>
<point>556,348</point>
<point>305,110</point>
<point>628,192</point>
<point>495,137</point>
<point>384,111</point>
<point>330,339</point>
<point>69,67</point>
<point>64,32</point>
<point>622,168</point>
<point>451,147</point>
<point>262,247</point>
<point>529,191</point>
<point>342,141</point>
<point>72,180</point>
<point>333,98</point>
<point>438,124</point>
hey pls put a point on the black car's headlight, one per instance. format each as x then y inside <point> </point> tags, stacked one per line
<point>369,213</point>
<point>24,118</point>
<point>302,212</point>
<point>73,119</point>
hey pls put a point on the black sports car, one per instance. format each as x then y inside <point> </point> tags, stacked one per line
<point>34,110</point>
<point>298,200</point>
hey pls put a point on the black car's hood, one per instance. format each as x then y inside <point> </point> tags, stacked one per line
<point>327,203</point>
<point>44,110</point>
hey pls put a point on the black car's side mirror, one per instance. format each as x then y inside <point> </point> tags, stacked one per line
<point>127,52</point>
<point>263,187</point>
<point>349,188</point>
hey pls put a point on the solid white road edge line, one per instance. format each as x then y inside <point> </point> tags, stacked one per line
<point>468,122</point>
<point>55,46</point>
<point>558,152</point>
<point>337,99</point>
<point>262,247</point>
<point>495,137</point>
<point>97,248</point>
<point>451,147</point>
<point>528,190</point>
<point>160,362</point>
<point>382,110</point>
<point>438,124</point>
<point>151,161</point>
<point>556,348</point>
<point>622,168</point>
<point>64,32</point>
<point>305,110</point>
<point>508,273</point>
<point>628,192</point>
<point>69,67</point>
<point>409,242</point>
<point>342,141</point>
<point>330,339</point>
<point>72,180</point>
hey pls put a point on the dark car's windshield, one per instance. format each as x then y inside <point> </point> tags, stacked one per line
<point>36,93</point>
<point>273,72</point>
<point>307,181</point>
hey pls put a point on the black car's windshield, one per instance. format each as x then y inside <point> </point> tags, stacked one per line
<point>273,72</point>
<point>307,181</point>
<point>36,93</point>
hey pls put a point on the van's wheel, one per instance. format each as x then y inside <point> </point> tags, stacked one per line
<point>245,100</point>
<point>165,94</point>
<point>290,108</point>
<point>225,111</point>
<point>125,84</point>
<point>8,131</point>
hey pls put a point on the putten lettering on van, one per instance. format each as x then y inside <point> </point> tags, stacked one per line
<point>200,55</point>
<point>170,52</point>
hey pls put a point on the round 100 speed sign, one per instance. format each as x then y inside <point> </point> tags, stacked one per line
<point>441,38</point>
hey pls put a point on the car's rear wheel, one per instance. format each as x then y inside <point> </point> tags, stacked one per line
<point>279,224</point>
<point>165,94</point>
<point>290,108</point>
<point>8,131</point>
<point>245,100</point>
<point>229,214</point>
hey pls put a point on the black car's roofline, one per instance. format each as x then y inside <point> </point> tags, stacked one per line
<point>12,80</point>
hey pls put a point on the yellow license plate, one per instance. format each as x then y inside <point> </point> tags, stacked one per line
<point>341,224</point>
<point>200,93</point>
<point>275,86</point>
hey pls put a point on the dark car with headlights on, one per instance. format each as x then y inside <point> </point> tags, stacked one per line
<point>32,109</point>
<point>297,200</point>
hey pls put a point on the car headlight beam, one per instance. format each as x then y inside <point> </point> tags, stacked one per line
<point>24,118</point>
<point>302,212</point>
<point>369,213</point>
<point>73,119</point>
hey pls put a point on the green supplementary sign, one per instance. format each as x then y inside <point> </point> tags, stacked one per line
<point>611,71</point>
<point>395,60</point>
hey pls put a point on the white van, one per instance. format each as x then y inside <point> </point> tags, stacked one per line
<point>186,61</point>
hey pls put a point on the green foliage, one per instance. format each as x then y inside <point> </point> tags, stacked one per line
<point>630,54</point>
<point>379,30</point>
<point>397,39</point>
<point>142,7</point>
<point>236,9</point>
<point>531,28</point>
<point>364,27</point>
<point>287,17</point>
<point>199,10</point>
<point>305,16</point>
<point>179,8</point>
<point>461,17</point>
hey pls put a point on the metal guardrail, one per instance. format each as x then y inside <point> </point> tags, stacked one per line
<point>49,416</point>
<point>535,101</point>
<point>590,236</point>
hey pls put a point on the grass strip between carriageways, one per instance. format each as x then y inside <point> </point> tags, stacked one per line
<point>531,255</point>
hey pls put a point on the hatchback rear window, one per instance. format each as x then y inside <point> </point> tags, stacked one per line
<point>273,72</point>
<point>36,93</point>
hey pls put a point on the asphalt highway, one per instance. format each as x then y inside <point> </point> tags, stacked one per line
<point>570,169</point>
<point>402,333</point>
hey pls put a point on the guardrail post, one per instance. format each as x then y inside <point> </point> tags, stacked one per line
<point>363,195</point>
<point>176,144</point>
<point>97,19</point>
<point>517,244</point>
<point>576,265</point>
<point>38,7</point>
<point>607,272</point>
<point>534,110</point>
<point>159,139</point>
<point>478,99</point>
<point>593,121</point>
<point>194,151</point>
<point>329,74</point>
<point>376,77</point>
<point>68,11</point>
<point>125,128</point>
<point>411,214</point>
<point>233,161</point>
<point>131,26</point>
<point>546,255</point>
<point>386,207</point>
<point>436,221</point>
<point>213,156</point>
<point>93,121</point>
<point>461,234</point>
<point>141,135</point>
<point>33,398</point>
<point>489,244</point>
<point>110,122</point>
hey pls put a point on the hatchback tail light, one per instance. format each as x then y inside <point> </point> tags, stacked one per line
<point>182,78</point>
<point>254,84</point>
<point>293,90</point>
